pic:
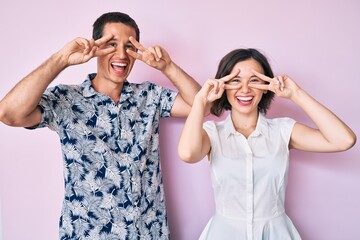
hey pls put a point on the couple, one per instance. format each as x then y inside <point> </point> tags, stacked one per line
<point>108,129</point>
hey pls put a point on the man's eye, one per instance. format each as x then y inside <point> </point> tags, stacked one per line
<point>112,44</point>
<point>131,47</point>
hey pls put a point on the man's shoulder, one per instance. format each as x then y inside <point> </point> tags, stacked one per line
<point>74,87</point>
<point>63,88</point>
<point>142,87</point>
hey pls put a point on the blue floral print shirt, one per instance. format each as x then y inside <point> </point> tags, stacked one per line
<point>113,182</point>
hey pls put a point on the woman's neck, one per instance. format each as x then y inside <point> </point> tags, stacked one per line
<point>244,123</point>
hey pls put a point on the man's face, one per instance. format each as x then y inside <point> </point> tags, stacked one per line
<point>116,67</point>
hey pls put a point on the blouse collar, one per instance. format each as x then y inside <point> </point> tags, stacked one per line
<point>261,126</point>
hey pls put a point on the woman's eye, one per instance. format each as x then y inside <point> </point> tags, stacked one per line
<point>112,44</point>
<point>255,81</point>
<point>234,81</point>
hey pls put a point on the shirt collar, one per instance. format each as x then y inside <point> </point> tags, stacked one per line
<point>89,91</point>
<point>86,86</point>
<point>261,126</point>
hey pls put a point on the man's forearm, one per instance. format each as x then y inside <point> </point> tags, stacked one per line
<point>25,96</point>
<point>186,85</point>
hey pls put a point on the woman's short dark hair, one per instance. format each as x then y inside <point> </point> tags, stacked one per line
<point>226,65</point>
<point>114,17</point>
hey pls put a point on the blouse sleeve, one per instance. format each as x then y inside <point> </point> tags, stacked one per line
<point>286,126</point>
<point>211,130</point>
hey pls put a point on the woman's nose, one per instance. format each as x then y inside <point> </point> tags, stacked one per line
<point>244,87</point>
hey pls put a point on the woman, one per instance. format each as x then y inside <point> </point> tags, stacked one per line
<point>248,152</point>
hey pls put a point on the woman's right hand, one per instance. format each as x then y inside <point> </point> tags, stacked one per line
<point>213,89</point>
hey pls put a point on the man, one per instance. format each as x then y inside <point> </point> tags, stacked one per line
<point>108,130</point>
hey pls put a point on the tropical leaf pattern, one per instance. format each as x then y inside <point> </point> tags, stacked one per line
<point>113,182</point>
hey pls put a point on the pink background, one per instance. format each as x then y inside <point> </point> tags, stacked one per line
<point>315,42</point>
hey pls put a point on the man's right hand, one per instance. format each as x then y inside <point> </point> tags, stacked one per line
<point>81,50</point>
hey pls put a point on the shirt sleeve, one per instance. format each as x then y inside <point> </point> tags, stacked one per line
<point>47,102</point>
<point>167,100</point>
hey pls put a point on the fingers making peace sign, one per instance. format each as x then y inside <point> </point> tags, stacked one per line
<point>155,56</point>
<point>214,88</point>
<point>81,50</point>
<point>282,86</point>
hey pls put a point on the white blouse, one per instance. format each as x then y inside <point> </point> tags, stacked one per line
<point>249,178</point>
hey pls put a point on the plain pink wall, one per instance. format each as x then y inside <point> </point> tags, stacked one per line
<point>315,42</point>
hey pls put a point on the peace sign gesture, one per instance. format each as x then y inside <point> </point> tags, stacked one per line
<point>155,56</point>
<point>214,88</point>
<point>282,85</point>
<point>81,50</point>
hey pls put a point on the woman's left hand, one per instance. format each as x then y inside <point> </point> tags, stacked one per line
<point>282,85</point>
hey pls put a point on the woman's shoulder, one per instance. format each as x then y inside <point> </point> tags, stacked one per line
<point>282,124</point>
<point>280,120</point>
<point>214,124</point>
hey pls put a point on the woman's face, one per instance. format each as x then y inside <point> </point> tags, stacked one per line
<point>245,99</point>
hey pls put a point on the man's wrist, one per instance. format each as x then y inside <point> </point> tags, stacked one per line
<point>171,70</point>
<point>59,60</point>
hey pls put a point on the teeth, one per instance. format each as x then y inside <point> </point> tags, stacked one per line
<point>244,98</point>
<point>119,64</point>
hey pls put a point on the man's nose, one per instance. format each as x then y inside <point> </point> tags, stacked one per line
<point>120,52</point>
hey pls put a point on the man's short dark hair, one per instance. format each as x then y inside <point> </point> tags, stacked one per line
<point>113,17</point>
